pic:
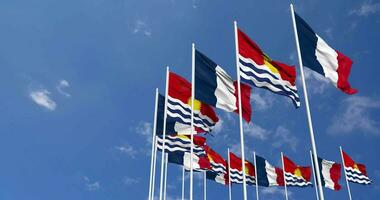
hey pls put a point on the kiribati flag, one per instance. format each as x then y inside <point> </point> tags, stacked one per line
<point>236,174</point>
<point>184,159</point>
<point>321,58</point>
<point>259,70</point>
<point>179,108</point>
<point>182,143</point>
<point>215,87</point>
<point>355,172</point>
<point>331,173</point>
<point>296,175</point>
<point>218,164</point>
<point>267,174</point>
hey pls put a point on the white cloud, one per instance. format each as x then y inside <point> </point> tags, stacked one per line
<point>316,83</point>
<point>145,129</point>
<point>283,137</point>
<point>262,101</point>
<point>328,32</point>
<point>355,114</point>
<point>130,180</point>
<point>273,190</point>
<point>141,27</point>
<point>366,8</point>
<point>218,127</point>
<point>91,186</point>
<point>127,149</point>
<point>61,86</point>
<point>41,97</point>
<point>256,131</point>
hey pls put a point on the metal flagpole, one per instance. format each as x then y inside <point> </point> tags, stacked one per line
<point>345,173</point>
<point>166,174</point>
<point>204,186</point>
<point>183,182</point>
<point>154,168</point>
<point>192,117</point>
<point>256,177</point>
<point>315,180</point>
<point>152,160</point>
<point>313,145</point>
<point>229,175</point>
<point>240,112</point>
<point>283,171</point>
<point>164,132</point>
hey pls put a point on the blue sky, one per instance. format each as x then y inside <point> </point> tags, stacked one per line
<point>78,78</point>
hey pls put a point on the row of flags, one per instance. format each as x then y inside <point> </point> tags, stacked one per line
<point>225,171</point>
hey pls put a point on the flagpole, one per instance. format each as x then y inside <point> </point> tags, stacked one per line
<point>166,174</point>
<point>204,186</point>
<point>345,173</point>
<point>313,145</point>
<point>315,180</point>
<point>240,112</point>
<point>256,177</point>
<point>152,160</point>
<point>154,168</point>
<point>192,117</point>
<point>283,171</point>
<point>164,132</point>
<point>183,182</point>
<point>229,175</point>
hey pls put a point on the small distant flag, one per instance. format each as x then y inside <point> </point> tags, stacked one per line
<point>267,174</point>
<point>259,70</point>
<point>321,58</point>
<point>184,158</point>
<point>182,143</point>
<point>331,173</point>
<point>355,172</point>
<point>215,87</point>
<point>179,108</point>
<point>217,177</point>
<point>296,175</point>
<point>218,164</point>
<point>236,173</point>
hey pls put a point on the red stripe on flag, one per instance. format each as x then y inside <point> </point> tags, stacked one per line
<point>245,100</point>
<point>344,68</point>
<point>280,177</point>
<point>335,174</point>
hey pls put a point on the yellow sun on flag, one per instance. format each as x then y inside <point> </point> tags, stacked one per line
<point>197,104</point>
<point>271,67</point>
<point>183,137</point>
<point>356,167</point>
<point>298,173</point>
<point>246,168</point>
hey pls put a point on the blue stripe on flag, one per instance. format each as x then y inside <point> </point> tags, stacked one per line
<point>205,79</point>
<point>262,177</point>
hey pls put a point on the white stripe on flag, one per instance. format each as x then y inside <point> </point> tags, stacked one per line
<point>225,91</point>
<point>328,58</point>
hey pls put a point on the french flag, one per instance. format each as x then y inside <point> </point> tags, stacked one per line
<point>321,58</point>
<point>330,173</point>
<point>185,159</point>
<point>215,87</point>
<point>267,174</point>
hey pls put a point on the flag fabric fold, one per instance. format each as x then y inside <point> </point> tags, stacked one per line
<point>355,172</point>
<point>259,70</point>
<point>331,173</point>
<point>217,177</point>
<point>296,175</point>
<point>185,159</point>
<point>182,143</point>
<point>216,88</point>
<point>236,174</point>
<point>267,174</point>
<point>318,56</point>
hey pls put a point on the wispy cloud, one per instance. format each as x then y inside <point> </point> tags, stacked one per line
<point>91,186</point>
<point>218,127</point>
<point>256,131</point>
<point>366,8</point>
<point>283,137</point>
<point>130,181</point>
<point>141,27</point>
<point>316,83</point>
<point>355,114</point>
<point>42,98</point>
<point>272,190</point>
<point>145,129</point>
<point>127,149</point>
<point>262,101</point>
<point>62,85</point>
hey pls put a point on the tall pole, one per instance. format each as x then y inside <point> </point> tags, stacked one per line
<point>152,160</point>
<point>204,186</point>
<point>164,133</point>
<point>154,168</point>
<point>229,175</point>
<point>192,117</point>
<point>345,173</point>
<point>313,145</point>
<point>166,174</point>
<point>256,177</point>
<point>240,112</point>
<point>315,180</point>
<point>183,182</point>
<point>283,171</point>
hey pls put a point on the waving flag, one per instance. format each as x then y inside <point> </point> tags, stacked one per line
<point>330,173</point>
<point>170,121</point>
<point>355,172</point>
<point>179,108</point>
<point>218,164</point>
<point>321,58</point>
<point>268,175</point>
<point>259,70</point>
<point>296,175</point>
<point>184,158</point>
<point>182,143</point>
<point>215,87</point>
<point>236,173</point>
<point>217,177</point>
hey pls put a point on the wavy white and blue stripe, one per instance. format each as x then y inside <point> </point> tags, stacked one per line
<point>355,176</point>
<point>236,176</point>
<point>261,77</point>
<point>182,113</point>
<point>293,180</point>
<point>218,167</point>
<point>173,144</point>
